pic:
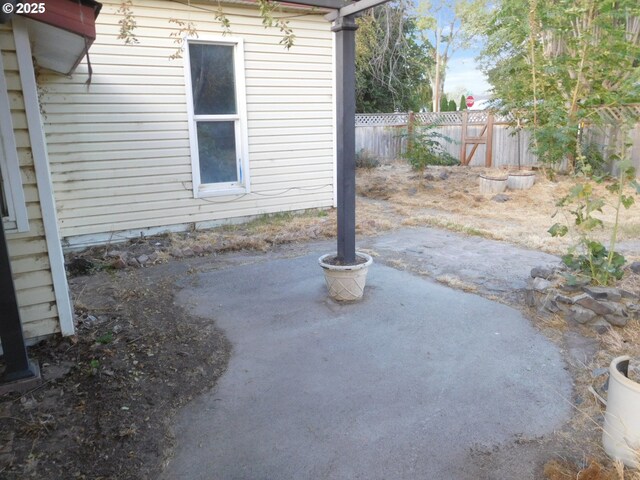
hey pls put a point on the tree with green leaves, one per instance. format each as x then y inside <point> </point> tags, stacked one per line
<point>553,61</point>
<point>444,103</point>
<point>463,103</point>
<point>391,63</point>
<point>448,25</point>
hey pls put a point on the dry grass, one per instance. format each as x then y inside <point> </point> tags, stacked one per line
<point>455,203</point>
<point>454,282</point>
<point>281,229</point>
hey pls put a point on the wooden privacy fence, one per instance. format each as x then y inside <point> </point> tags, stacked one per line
<point>478,137</point>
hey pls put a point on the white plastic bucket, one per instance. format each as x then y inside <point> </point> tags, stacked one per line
<point>345,282</point>
<point>621,432</point>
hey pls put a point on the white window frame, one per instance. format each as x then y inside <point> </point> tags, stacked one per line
<point>17,220</point>
<point>240,119</point>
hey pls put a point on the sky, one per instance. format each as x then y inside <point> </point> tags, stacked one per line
<point>464,76</point>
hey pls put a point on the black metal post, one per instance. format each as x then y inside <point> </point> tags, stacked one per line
<point>14,350</point>
<point>345,29</point>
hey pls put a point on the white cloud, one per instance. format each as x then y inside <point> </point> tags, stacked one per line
<point>463,74</point>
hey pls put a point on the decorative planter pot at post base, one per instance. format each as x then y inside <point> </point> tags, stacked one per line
<point>621,430</point>
<point>345,282</point>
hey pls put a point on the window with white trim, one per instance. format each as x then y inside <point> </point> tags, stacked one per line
<point>217,116</point>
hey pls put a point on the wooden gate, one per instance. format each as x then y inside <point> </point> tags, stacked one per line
<point>476,119</point>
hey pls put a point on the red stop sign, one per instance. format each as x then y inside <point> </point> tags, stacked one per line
<point>470,101</point>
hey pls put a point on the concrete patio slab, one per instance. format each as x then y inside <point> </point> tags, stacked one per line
<point>417,381</point>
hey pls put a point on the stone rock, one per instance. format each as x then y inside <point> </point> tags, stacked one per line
<point>619,317</point>
<point>177,253</point>
<point>428,176</point>
<point>581,315</point>
<point>617,320</point>
<point>143,259</point>
<point>597,307</point>
<point>119,263</point>
<point>542,272</point>
<point>635,267</point>
<point>412,191</point>
<point>530,297</point>
<point>604,293</point>
<point>564,299</point>
<point>198,250</point>
<point>540,284</point>
<point>443,175</point>
<point>133,262</point>
<point>114,253</point>
<point>627,294</point>
<point>153,257</point>
<point>188,252</point>
<point>549,305</point>
<point>602,326</point>
<point>501,198</point>
<point>209,248</point>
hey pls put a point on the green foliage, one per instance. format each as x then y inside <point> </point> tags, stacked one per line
<point>554,60</point>
<point>105,339</point>
<point>590,161</point>
<point>391,64</point>
<point>463,103</point>
<point>597,265</point>
<point>425,147</point>
<point>589,260</point>
<point>444,103</point>
<point>452,106</point>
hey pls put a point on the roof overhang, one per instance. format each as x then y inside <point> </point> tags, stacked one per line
<point>62,34</point>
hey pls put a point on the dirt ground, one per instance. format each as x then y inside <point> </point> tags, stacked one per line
<point>111,390</point>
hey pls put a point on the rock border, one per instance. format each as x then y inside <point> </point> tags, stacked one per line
<point>583,304</point>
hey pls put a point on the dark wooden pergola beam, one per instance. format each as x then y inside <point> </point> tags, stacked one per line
<point>345,28</point>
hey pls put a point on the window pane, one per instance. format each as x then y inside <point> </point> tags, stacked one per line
<point>212,79</point>
<point>217,150</point>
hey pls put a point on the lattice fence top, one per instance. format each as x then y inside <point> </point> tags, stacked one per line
<point>381,119</point>
<point>441,118</point>
<point>425,118</point>
<point>611,115</point>
<point>619,114</point>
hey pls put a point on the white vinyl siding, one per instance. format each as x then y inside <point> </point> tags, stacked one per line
<point>28,250</point>
<point>120,150</point>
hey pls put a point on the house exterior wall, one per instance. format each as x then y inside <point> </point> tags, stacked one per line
<point>28,251</point>
<point>119,148</point>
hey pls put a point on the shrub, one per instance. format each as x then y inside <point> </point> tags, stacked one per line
<point>425,147</point>
<point>366,159</point>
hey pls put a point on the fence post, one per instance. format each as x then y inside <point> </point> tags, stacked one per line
<point>410,126</point>
<point>489,145</point>
<point>463,140</point>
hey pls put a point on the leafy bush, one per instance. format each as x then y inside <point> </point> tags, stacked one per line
<point>589,259</point>
<point>591,161</point>
<point>366,159</point>
<point>425,147</point>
